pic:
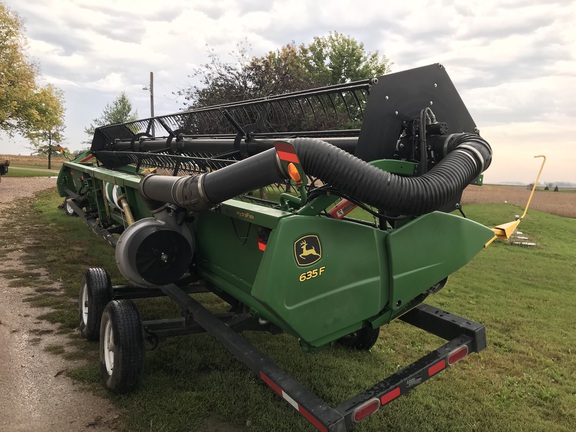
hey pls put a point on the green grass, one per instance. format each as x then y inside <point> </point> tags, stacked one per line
<point>30,172</point>
<point>37,167</point>
<point>524,381</point>
<point>55,349</point>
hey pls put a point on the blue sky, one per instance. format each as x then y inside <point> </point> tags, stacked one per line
<point>513,61</point>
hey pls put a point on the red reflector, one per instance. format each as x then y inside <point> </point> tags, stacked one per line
<point>288,157</point>
<point>457,355</point>
<point>435,368</point>
<point>261,245</point>
<point>286,152</point>
<point>271,383</point>
<point>390,396</point>
<point>366,409</point>
<point>312,419</point>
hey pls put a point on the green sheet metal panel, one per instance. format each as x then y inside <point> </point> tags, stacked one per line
<point>323,277</point>
<point>428,249</point>
<point>227,247</point>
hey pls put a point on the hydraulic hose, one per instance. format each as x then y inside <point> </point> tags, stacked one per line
<point>465,156</point>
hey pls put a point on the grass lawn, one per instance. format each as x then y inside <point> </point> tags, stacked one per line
<point>30,171</point>
<point>524,381</point>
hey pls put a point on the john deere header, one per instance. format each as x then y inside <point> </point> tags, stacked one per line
<point>324,214</point>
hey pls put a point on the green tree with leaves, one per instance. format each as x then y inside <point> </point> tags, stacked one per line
<point>46,128</point>
<point>119,111</point>
<point>20,95</point>
<point>337,58</point>
<point>281,71</point>
<point>327,60</point>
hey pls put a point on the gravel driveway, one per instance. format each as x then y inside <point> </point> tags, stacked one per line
<point>35,393</point>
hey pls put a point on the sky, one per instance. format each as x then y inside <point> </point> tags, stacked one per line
<point>512,61</point>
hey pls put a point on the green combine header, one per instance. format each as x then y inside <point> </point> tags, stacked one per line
<point>324,214</point>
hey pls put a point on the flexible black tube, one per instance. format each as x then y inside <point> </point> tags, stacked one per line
<point>201,192</point>
<point>466,157</point>
<point>469,155</point>
<point>251,173</point>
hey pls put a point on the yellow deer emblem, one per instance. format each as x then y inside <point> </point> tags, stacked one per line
<point>306,251</point>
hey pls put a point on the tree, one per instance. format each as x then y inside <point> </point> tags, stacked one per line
<point>120,111</point>
<point>331,59</point>
<point>220,82</point>
<point>17,76</point>
<point>337,58</point>
<point>46,124</point>
<point>282,71</point>
<point>36,112</point>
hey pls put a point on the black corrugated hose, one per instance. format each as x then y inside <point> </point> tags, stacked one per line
<point>466,156</point>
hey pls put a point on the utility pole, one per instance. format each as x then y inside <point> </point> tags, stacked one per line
<point>152,101</point>
<point>50,149</point>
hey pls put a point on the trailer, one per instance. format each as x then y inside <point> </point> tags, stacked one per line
<point>255,202</point>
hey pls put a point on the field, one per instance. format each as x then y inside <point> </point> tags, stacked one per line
<point>32,161</point>
<point>562,203</point>
<point>524,381</point>
<point>32,166</point>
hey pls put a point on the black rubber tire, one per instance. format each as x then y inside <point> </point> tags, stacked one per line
<point>95,293</point>
<point>121,347</point>
<point>362,340</point>
<point>67,209</point>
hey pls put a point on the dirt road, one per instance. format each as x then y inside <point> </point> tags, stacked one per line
<point>35,393</point>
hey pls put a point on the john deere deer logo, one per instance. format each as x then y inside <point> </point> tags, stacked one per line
<point>307,250</point>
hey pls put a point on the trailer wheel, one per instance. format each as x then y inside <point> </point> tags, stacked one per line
<point>362,340</point>
<point>68,208</point>
<point>121,347</point>
<point>95,293</point>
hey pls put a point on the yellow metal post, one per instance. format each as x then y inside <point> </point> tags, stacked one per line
<point>504,231</point>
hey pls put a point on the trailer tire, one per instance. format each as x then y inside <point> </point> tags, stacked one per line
<point>95,293</point>
<point>362,340</point>
<point>68,209</point>
<point>121,347</point>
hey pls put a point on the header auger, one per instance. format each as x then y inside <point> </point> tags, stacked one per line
<point>253,202</point>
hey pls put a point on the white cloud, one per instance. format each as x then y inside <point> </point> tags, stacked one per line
<point>513,61</point>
